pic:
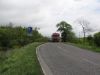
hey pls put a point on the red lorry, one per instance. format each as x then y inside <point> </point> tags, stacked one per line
<point>55,37</point>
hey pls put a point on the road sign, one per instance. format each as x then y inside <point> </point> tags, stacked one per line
<point>29,30</point>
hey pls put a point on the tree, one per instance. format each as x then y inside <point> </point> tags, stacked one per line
<point>97,39</point>
<point>85,26</point>
<point>65,29</point>
<point>12,37</point>
<point>90,40</point>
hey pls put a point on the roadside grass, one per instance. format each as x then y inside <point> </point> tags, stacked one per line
<point>87,47</point>
<point>21,61</point>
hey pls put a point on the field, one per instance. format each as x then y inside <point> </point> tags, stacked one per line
<point>87,47</point>
<point>21,61</point>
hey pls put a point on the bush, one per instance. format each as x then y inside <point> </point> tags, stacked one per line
<point>97,39</point>
<point>12,37</point>
<point>90,40</point>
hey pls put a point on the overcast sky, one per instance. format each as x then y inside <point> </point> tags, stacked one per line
<point>45,14</point>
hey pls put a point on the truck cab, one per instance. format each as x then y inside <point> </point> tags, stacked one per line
<point>55,37</point>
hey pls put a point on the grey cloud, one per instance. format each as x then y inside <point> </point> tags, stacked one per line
<point>47,13</point>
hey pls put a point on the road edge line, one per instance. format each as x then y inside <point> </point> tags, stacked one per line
<point>42,63</point>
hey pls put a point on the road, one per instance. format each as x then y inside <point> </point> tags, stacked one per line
<point>64,59</point>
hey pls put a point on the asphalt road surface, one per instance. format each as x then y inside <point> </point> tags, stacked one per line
<point>64,59</point>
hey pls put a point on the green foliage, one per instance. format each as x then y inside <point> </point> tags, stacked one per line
<point>66,31</point>
<point>87,46</point>
<point>64,27</point>
<point>97,39</point>
<point>90,40</point>
<point>21,61</point>
<point>44,39</point>
<point>12,37</point>
<point>71,37</point>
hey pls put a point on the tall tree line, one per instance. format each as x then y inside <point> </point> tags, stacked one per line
<point>11,37</point>
<point>68,36</point>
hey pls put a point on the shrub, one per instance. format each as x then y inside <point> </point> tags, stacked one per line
<point>90,40</point>
<point>97,39</point>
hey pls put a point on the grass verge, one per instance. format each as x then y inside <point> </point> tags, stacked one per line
<point>21,61</point>
<point>87,47</point>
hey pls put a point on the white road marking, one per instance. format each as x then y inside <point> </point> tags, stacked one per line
<point>43,65</point>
